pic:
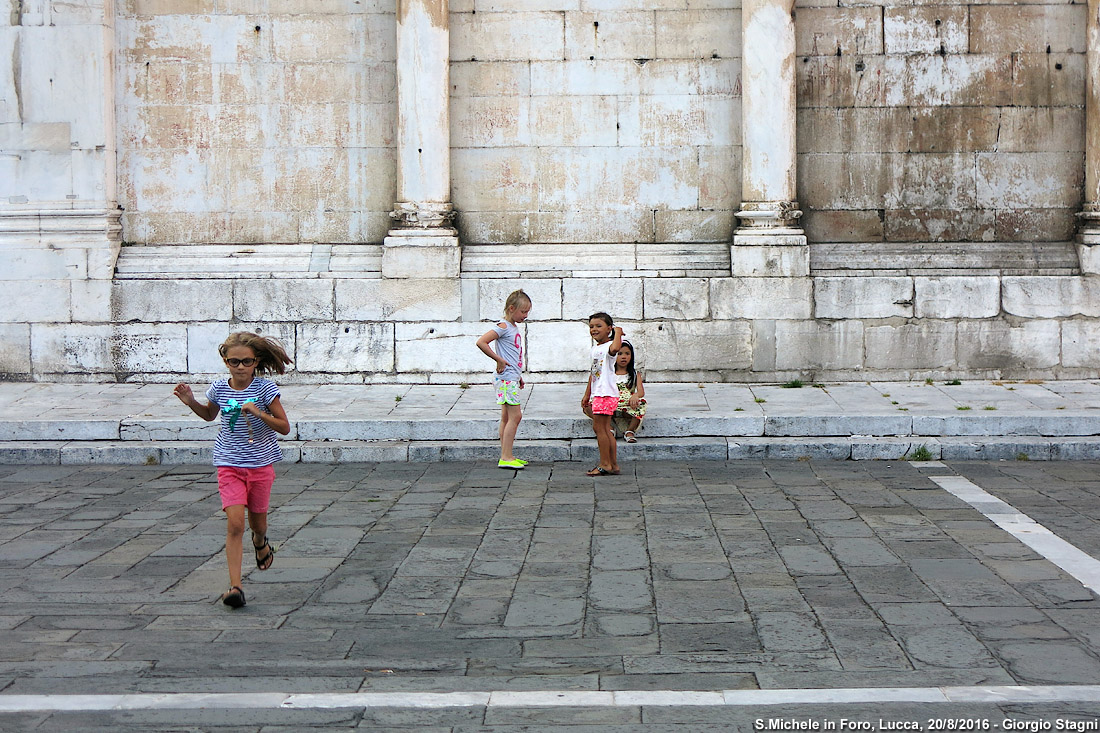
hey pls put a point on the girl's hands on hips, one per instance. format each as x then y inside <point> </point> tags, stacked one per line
<point>184,393</point>
<point>501,366</point>
<point>521,382</point>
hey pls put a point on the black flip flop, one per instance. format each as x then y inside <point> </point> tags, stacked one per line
<point>269,558</point>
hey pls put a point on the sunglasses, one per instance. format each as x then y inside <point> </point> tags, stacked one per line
<point>242,362</point>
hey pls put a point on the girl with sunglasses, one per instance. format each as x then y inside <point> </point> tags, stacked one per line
<point>246,447</point>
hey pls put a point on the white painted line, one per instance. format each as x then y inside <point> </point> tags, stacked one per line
<point>549,698</point>
<point>1079,564</point>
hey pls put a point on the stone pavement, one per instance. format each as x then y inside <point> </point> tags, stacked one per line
<point>679,596</point>
<point>143,424</point>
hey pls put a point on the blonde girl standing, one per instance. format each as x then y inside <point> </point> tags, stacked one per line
<point>246,448</point>
<point>508,378</point>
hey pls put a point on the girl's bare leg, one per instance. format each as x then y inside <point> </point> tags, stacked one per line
<point>510,416</point>
<point>605,439</point>
<point>234,541</point>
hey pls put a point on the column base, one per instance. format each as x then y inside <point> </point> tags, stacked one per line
<point>1088,239</point>
<point>421,253</point>
<point>775,253</point>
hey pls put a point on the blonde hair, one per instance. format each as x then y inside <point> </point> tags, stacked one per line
<point>514,299</point>
<point>270,353</point>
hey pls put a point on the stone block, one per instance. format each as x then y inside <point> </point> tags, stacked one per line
<point>555,347</point>
<point>40,263</point>
<point>349,451</point>
<point>582,296</point>
<point>493,79</point>
<point>622,77</point>
<point>488,122</point>
<point>889,449</point>
<point>679,120</point>
<point>1085,449</point>
<point>15,350</point>
<point>930,181</point>
<point>695,34</point>
<point>398,300</point>
<point>1036,225</point>
<point>761,297</point>
<point>141,348</point>
<point>838,31</point>
<point>1029,180</point>
<point>1041,130</point>
<point>583,121</point>
<point>1081,343</point>
<point>694,226</point>
<point>495,36</point>
<point>842,226</point>
<point>593,227</point>
<point>106,452</point>
<point>345,347</point>
<point>184,453</point>
<point>495,179</point>
<point>1089,256</point>
<point>843,181</point>
<point>1046,79</point>
<point>1034,449</point>
<point>679,299</point>
<point>837,82</point>
<point>26,453</point>
<point>445,347</point>
<point>1023,28</point>
<point>718,189</point>
<point>625,179</point>
<point>283,300</point>
<point>804,345</point>
<point>1001,345</point>
<point>1051,297</point>
<point>171,300</point>
<point>927,80</point>
<point>91,301</point>
<point>863,297</point>
<point>789,449</point>
<point>940,225</point>
<point>764,256</point>
<point>689,346</point>
<point>610,35</point>
<point>956,297</point>
<point>924,345</point>
<point>35,301</point>
<point>203,340</point>
<point>926,29</point>
<point>545,295</point>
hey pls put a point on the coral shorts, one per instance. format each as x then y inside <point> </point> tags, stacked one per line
<point>248,486</point>
<point>604,405</point>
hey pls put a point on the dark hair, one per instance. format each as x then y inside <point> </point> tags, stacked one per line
<point>603,317</point>
<point>271,354</point>
<point>631,374</point>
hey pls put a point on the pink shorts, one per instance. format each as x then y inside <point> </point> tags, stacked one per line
<point>605,405</point>
<point>248,486</point>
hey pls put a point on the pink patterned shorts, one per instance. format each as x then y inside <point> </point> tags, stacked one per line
<point>604,405</point>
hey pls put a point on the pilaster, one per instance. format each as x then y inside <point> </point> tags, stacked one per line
<point>1088,238</point>
<point>769,242</point>
<point>422,244</point>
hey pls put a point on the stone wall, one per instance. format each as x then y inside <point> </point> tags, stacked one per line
<point>595,160</point>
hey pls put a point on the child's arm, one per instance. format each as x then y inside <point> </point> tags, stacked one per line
<point>207,412</point>
<point>639,390</point>
<point>617,342</point>
<point>276,420</point>
<point>483,344</point>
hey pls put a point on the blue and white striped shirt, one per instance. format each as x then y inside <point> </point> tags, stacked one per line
<point>231,448</point>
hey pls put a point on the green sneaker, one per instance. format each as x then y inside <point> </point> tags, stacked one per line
<point>520,460</point>
<point>515,463</point>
